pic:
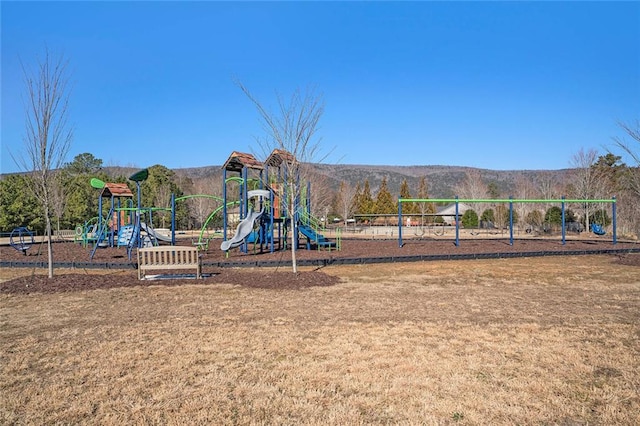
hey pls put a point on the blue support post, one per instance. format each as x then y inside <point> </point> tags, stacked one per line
<point>400,222</point>
<point>113,222</point>
<point>613,216</point>
<point>244,203</point>
<point>564,231</point>
<point>271,220</point>
<point>224,205</point>
<point>510,220</point>
<point>136,228</point>
<point>298,193</point>
<point>457,224</point>
<point>244,187</point>
<point>99,215</point>
<point>117,210</point>
<point>173,219</point>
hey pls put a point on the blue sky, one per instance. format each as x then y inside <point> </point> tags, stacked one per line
<point>498,85</point>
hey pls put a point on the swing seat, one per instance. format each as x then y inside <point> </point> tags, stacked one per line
<point>597,229</point>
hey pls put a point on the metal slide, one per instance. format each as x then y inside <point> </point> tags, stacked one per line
<point>246,226</point>
<point>152,232</point>
<point>244,229</point>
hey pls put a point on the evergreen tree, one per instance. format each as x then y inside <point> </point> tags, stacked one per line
<point>470,219</point>
<point>384,203</point>
<point>81,199</point>
<point>424,208</point>
<point>19,207</point>
<point>84,163</point>
<point>405,193</point>
<point>554,215</point>
<point>493,190</point>
<point>156,192</point>
<point>488,216</point>
<point>367,203</point>
<point>355,204</point>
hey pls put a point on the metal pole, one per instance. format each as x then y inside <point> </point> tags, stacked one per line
<point>613,214</point>
<point>99,227</point>
<point>138,218</point>
<point>510,220</point>
<point>244,203</point>
<point>400,222</point>
<point>564,231</point>
<point>457,224</point>
<point>173,219</point>
<point>224,204</point>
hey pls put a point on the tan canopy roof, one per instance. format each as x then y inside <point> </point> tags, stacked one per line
<point>278,156</point>
<point>238,160</point>
<point>116,190</point>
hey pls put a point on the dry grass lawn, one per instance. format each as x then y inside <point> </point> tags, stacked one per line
<point>520,341</point>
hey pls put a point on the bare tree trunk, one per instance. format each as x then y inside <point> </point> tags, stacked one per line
<point>49,244</point>
<point>48,136</point>
<point>294,230</point>
<point>291,131</point>
<point>585,179</point>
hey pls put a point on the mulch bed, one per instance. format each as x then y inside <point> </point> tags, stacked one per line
<point>282,280</point>
<point>214,261</point>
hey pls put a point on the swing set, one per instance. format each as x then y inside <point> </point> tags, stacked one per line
<point>597,229</point>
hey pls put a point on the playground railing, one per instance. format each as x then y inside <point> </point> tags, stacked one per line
<point>311,221</point>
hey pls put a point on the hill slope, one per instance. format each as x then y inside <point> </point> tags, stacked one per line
<point>441,179</point>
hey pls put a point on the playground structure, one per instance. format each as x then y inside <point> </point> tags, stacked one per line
<point>597,229</point>
<point>268,221</point>
<point>262,214</point>
<point>123,224</point>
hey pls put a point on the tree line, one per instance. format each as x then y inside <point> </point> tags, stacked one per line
<point>74,201</point>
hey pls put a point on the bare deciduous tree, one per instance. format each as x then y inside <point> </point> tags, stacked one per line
<point>346,195</point>
<point>48,133</point>
<point>163,199</point>
<point>202,207</point>
<point>547,186</point>
<point>321,192</point>
<point>631,180</point>
<point>585,179</point>
<point>423,207</point>
<point>292,129</point>
<point>524,189</point>
<point>473,187</point>
<point>633,132</point>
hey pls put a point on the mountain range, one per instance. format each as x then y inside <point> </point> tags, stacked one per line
<point>441,179</point>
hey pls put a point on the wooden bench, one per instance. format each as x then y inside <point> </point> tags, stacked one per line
<point>168,258</point>
<point>67,234</point>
